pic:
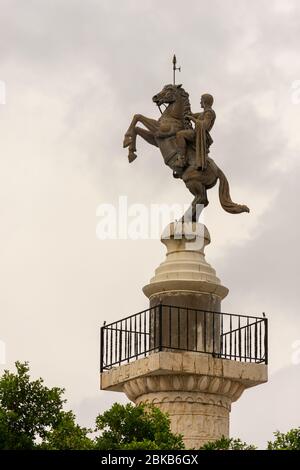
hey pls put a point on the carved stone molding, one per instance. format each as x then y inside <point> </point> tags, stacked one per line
<point>203,385</point>
<point>170,400</point>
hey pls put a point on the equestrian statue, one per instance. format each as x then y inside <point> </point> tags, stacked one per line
<point>185,148</point>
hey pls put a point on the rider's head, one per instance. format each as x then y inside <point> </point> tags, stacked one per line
<point>207,100</point>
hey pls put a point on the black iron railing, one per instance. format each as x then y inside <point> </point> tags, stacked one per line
<point>164,327</point>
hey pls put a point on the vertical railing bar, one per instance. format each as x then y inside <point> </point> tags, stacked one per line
<point>156,326</point>
<point>106,347</point>
<point>101,348</point>
<point>196,329</point>
<point>135,339</point>
<point>255,341</point>
<point>240,339</point>
<point>187,329</point>
<point>205,313</point>
<point>145,331</point>
<point>260,336</point>
<point>130,336</point>
<point>170,328</point>
<point>249,340</point>
<point>127,342</point>
<point>221,339</point>
<point>266,342</point>
<point>116,343</point>
<point>140,332</point>
<point>245,341</point>
<point>178,328</point>
<point>250,343</point>
<point>111,345</point>
<point>230,336</point>
<point>120,344</point>
<point>213,332</point>
<point>160,327</point>
<point>235,345</point>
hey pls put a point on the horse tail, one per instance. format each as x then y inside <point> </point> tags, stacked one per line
<point>225,199</point>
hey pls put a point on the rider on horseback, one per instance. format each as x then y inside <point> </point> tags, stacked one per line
<point>199,136</point>
<point>174,127</point>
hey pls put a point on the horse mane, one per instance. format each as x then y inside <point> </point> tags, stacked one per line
<point>186,108</point>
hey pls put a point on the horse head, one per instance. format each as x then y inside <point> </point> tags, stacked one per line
<point>169,94</point>
<point>176,96</point>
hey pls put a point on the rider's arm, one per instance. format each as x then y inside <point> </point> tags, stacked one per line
<point>206,120</point>
<point>193,117</point>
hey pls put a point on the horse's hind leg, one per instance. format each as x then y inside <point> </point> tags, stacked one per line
<point>194,211</point>
<point>200,200</point>
<point>198,189</point>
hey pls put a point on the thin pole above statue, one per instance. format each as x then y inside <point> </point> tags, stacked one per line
<point>175,68</point>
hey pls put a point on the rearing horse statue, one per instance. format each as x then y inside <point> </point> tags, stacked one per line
<point>162,134</point>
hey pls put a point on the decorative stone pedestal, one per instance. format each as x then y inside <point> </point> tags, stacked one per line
<point>195,388</point>
<point>185,280</point>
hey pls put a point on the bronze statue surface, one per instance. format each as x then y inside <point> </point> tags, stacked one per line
<point>183,147</point>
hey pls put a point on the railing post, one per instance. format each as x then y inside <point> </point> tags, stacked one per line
<point>213,332</point>
<point>101,348</point>
<point>240,339</point>
<point>160,327</point>
<point>266,341</point>
<point>120,344</point>
<point>221,335</point>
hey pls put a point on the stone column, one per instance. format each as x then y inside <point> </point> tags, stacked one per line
<point>195,388</point>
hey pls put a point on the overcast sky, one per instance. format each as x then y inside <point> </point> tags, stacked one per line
<point>75,72</point>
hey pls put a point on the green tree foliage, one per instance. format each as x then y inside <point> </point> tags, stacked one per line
<point>32,416</point>
<point>135,427</point>
<point>67,435</point>
<point>288,441</point>
<point>27,409</point>
<point>227,444</point>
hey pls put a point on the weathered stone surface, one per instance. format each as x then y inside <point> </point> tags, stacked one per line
<point>185,278</point>
<point>195,389</point>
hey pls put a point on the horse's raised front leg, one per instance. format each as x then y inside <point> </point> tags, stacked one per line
<point>146,135</point>
<point>130,137</point>
<point>151,124</point>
